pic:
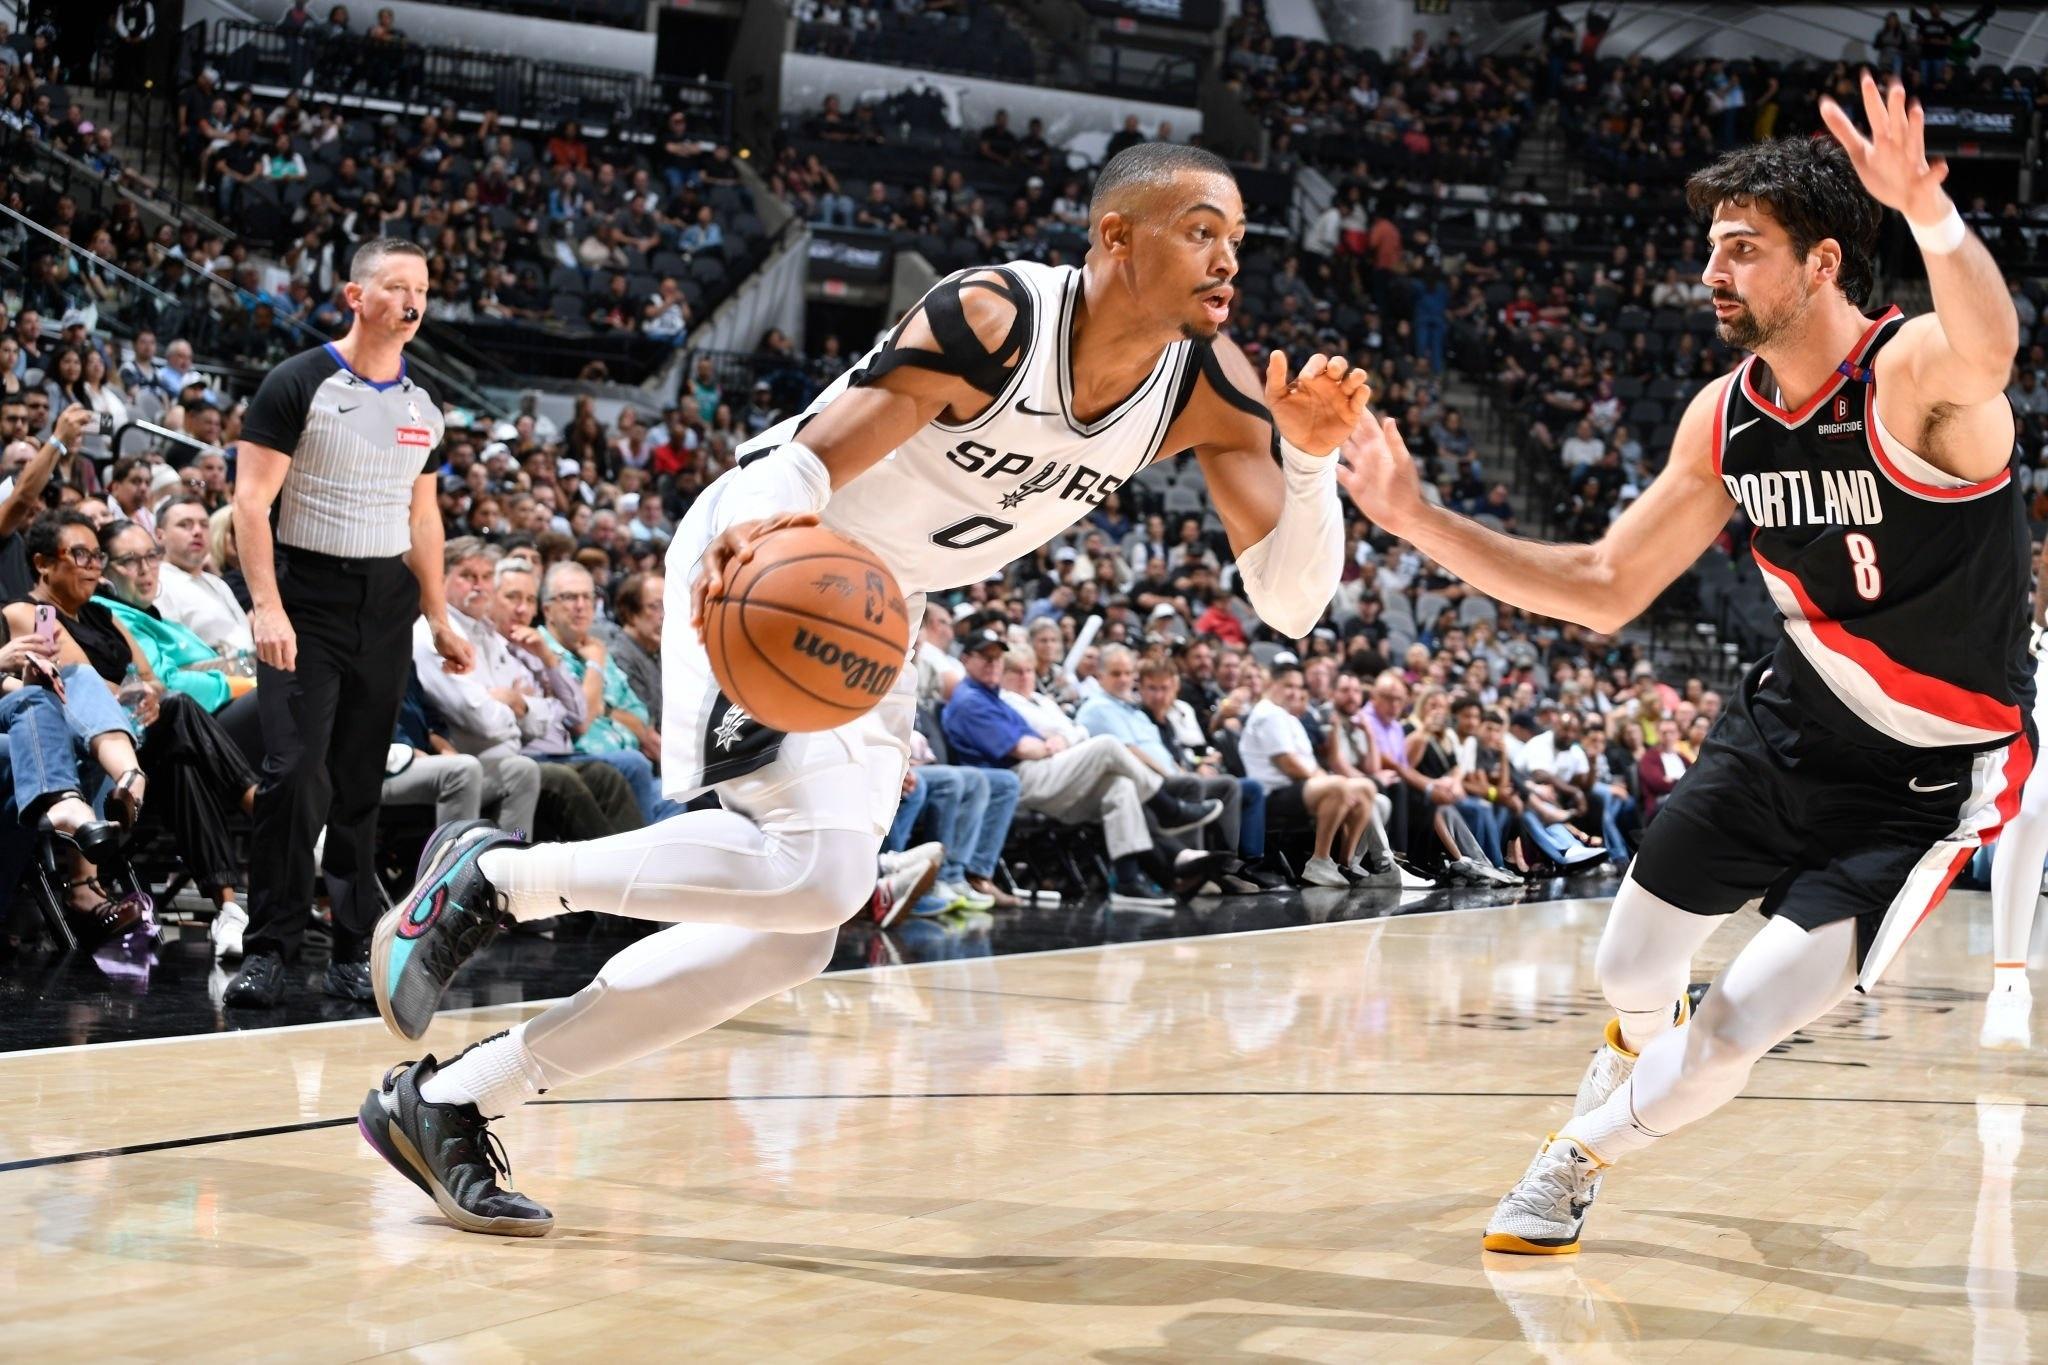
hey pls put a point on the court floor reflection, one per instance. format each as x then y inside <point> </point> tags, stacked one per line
<point>135,989</point>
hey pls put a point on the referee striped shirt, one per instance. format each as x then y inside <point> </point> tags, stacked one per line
<point>356,446</point>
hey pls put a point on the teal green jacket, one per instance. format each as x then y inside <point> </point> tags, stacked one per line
<point>172,650</point>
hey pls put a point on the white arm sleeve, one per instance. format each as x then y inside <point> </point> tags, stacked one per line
<point>788,479</point>
<point>1291,575</point>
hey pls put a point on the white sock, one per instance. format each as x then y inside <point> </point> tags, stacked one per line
<point>522,876</point>
<point>2010,977</point>
<point>496,1075</point>
<point>1611,1132</point>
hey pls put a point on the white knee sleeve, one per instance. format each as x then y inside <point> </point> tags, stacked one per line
<point>1645,958</point>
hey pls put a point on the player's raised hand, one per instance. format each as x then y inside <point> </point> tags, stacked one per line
<point>1377,471</point>
<point>1318,407</point>
<point>1892,162</point>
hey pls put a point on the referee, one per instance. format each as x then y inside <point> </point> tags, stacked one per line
<point>345,443</point>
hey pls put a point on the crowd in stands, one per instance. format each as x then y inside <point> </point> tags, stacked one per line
<point>561,232</point>
<point>1583,320</point>
<point>928,35</point>
<point>1419,733</point>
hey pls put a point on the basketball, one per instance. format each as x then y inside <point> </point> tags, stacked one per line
<point>809,633</point>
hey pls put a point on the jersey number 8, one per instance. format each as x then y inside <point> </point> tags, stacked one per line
<point>1863,562</point>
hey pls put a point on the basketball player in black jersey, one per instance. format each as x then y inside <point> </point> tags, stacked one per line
<point>1887,736</point>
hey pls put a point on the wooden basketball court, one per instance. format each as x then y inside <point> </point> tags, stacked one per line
<point>1271,1146</point>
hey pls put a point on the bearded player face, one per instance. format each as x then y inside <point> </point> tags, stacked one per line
<point>1761,286</point>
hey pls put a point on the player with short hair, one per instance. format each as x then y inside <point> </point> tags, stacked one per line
<point>1886,736</point>
<point>999,412</point>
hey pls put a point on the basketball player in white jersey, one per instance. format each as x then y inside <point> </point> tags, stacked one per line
<point>998,413</point>
<point>2016,874</point>
<point>1886,737</point>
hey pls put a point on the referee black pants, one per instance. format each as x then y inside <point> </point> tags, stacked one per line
<point>327,727</point>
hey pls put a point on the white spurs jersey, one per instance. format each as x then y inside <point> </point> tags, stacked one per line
<point>956,502</point>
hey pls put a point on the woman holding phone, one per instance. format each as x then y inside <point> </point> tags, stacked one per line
<point>44,793</point>
<point>206,775</point>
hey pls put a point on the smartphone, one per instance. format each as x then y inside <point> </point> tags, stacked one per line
<point>45,670</point>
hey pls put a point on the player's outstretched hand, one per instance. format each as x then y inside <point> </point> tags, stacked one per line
<point>1892,162</point>
<point>1318,407</point>
<point>1377,471</point>
<point>724,556</point>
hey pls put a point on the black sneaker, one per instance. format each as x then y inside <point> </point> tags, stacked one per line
<point>349,981</point>
<point>448,917</point>
<point>1256,874</point>
<point>1199,873</point>
<point>1176,816</point>
<point>1138,892</point>
<point>259,985</point>
<point>449,1151</point>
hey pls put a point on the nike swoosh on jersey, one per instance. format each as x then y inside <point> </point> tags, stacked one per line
<point>1915,785</point>
<point>1735,431</point>
<point>1030,411</point>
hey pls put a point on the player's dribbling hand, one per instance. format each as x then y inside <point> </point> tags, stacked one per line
<point>277,644</point>
<point>1375,468</point>
<point>729,552</point>
<point>1892,162</point>
<point>1318,407</point>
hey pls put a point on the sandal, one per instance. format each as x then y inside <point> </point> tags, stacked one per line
<point>108,916</point>
<point>124,793</point>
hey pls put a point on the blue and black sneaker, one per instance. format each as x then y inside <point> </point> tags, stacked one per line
<point>447,918</point>
<point>449,1151</point>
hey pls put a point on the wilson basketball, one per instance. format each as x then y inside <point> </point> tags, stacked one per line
<point>810,633</point>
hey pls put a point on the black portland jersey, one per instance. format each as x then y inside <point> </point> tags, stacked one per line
<point>1903,588</point>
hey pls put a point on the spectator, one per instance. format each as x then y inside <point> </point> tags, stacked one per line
<point>971,811</point>
<point>635,641</point>
<point>1125,137</point>
<point>1116,710</point>
<point>175,655</point>
<point>201,774</point>
<point>599,795</point>
<point>616,728</point>
<point>1098,779</point>
<point>1659,769</point>
<point>1443,803</point>
<point>189,593</point>
<point>1278,755</point>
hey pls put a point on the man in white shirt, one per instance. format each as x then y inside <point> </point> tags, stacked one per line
<point>1276,752</point>
<point>187,591</point>
<point>1040,712</point>
<point>1580,450</point>
<point>938,672</point>
<point>487,710</point>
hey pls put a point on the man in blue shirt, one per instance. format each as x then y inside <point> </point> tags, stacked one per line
<point>1125,712</point>
<point>1099,779</point>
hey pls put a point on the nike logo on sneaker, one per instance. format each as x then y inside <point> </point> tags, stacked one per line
<point>1030,411</point>
<point>1915,785</point>
<point>1735,431</point>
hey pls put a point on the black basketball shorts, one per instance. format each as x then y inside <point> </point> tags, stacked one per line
<point>1841,831</point>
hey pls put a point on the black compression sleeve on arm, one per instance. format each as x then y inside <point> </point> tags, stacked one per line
<point>960,350</point>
